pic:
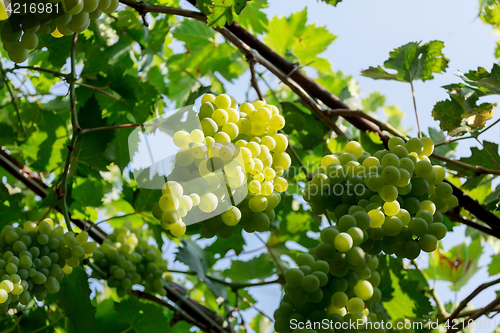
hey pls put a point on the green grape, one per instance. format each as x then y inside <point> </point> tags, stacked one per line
<point>452,201</point>
<point>411,249</point>
<point>29,40</point>
<point>392,226</point>
<point>310,284</point>
<point>206,110</point>
<point>426,215</point>
<point>391,208</point>
<point>355,304</point>
<point>260,222</point>
<point>428,243</point>
<point>362,220</point>
<point>428,146</point>
<point>363,290</point>
<point>232,216</point>
<point>412,205</point>
<point>209,127</point>
<point>423,168</point>
<point>438,230</point>
<point>343,242</point>
<point>404,216</point>
<point>346,222</point>
<point>389,193</point>
<point>328,235</point>
<point>395,141</point>
<point>418,226</point>
<point>354,148</point>
<point>377,218</point>
<point>390,159</point>
<point>222,101</point>
<point>400,151</point>
<point>356,235</point>
<point>339,300</point>
<point>294,277</point>
<point>355,256</point>
<point>415,145</point>
<point>281,161</point>
<point>258,203</point>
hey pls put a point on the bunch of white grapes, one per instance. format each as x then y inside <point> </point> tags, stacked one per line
<point>34,258</point>
<point>126,259</point>
<point>400,192</point>
<point>234,163</point>
<point>340,287</point>
<point>25,21</point>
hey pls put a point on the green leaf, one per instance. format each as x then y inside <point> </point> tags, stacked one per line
<point>197,260</point>
<point>487,82</point>
<point>482,156</point>
<point>332,2</point>
<point>80,313</point>
<point>370,141</point>
<point>221,12</point>
<point>221,246</point>
<point>260,323</point>
<point>87,192</point>
<point>92,146</point>
<point>142,317</point>
<point>252,18</point>
<point>373,102</point>
<point>494,266</point>
<point>260,268</point>
<point>412,62</point>
<point>450,115</point>
<point>297,41</point>
<point>458,265</point>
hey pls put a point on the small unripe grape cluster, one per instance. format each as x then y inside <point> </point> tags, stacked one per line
<point>399,192</point>
<point>127,259</point>
<point>232,169</point>
<point>34,258</point>
<point>20,32</point>
<point>337,285</point>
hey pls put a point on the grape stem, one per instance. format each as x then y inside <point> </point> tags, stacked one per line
<point>234,285</point>
<point>253,78</point>
<point>447,142</point>
<point>271,253</point>
<point>456,217</point>
<point>415,107</point>
<point>456,313</point>
<point>63,189</point>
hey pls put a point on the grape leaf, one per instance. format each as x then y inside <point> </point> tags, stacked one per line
<point>487,82</point>
<point>253,18</point>
<point>87,192</point>
<point>197,260</point>
<point>221,246</point>
<point>494,266</point>
<point>260,268</point>
<point>143,317</point>
<point>332,2</point>
<point>80,314</point>
<point>373,102</point>
<point>221,12</point>
<point>370,141</point>
<point>458,265</point>
<point>412,62</point>
<point>482,156</point>
<point>297,41</point>
<point>450,114</point>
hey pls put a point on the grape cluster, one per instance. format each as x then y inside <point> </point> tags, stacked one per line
<point>34,258</point>
<point>127,259</point>
<point>232,169</point>
<point>19,34</point>
<point>400,191</point>
<point>337,283</point>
